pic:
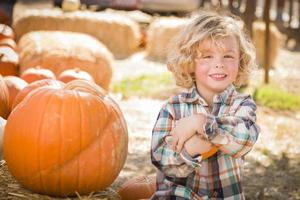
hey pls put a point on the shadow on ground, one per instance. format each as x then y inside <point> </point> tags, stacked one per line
<point>279,180</point>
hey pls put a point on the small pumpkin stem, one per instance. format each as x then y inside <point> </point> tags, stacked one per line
<point>1,56</point>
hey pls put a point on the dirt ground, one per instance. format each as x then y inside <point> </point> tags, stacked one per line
<point>272,169</point>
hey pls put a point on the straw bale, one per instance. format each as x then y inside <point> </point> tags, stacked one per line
<point>23,6</point>
<point>160,32</point>
<point>119,33</point>
<point>169,5</point>
<point>276,38</point>
<point>58,51</point>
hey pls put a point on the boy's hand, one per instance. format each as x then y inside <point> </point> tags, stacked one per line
<point>185,129</point>
<point>196,145</point>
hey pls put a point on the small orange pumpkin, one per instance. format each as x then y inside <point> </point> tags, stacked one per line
<point>67,140</point>
<point>8,42</point>
<point>34,85</point>
<point>34,74</point>
<point>4,99</point>
<point>6,32</point>
<point>209,153</point>
<point>142,187</point>
<point>9,61</point>
<point>14,85</point>
<point>74,74</point>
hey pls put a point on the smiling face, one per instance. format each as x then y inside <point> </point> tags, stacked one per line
<point>217,65</point>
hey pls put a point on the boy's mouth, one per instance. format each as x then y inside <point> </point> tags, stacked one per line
<point>218,76</point>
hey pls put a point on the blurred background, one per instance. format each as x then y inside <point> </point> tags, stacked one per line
<point>123,45</point>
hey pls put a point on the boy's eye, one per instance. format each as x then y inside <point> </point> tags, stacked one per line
<point>207,56</point>
<point>228,56</point>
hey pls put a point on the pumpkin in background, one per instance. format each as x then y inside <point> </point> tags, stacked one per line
<point>14,85</point>
<point>72,139</point>
<point>8,42</point>
<point>34,85</point>
<point>9,61</point>
<point>74,74</point>
<point>142,187</point>
<point>36,73</point>
<point>6,32</point>
<point>4,99</point>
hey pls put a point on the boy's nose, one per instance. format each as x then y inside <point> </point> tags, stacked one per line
<point>218,62</point>
<point>219,66</point>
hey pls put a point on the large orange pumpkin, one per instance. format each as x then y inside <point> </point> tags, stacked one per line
<point>36,73</point>
<point>59,141</point>
<point>14,85</point>
<point>142,187</point>
<point>4,99</point>
<point>34,85</point>
<point>2,126</point>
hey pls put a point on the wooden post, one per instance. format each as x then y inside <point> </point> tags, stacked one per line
<point>267,40</point>
<point>249,15</point>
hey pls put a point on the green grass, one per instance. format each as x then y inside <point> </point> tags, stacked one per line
<point>275,98</point>
<point>143,85</point>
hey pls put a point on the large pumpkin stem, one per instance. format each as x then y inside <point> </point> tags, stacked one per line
<point>86,86</point>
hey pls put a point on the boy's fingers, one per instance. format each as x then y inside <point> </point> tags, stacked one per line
<point>174,143</point>
<point>169,139</point>
<point>179,146</point>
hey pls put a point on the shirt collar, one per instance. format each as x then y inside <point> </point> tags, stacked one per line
<point>224,97</point>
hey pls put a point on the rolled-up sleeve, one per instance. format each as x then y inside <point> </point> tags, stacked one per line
<point>235,133</point>
<point>162,155</point>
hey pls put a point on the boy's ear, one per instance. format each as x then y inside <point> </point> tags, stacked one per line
<point>191,69</point>
<point>192,75</point>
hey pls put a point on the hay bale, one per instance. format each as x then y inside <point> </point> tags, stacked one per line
<point>258,36</point>
<point>58,51</point>
<point>169,5</point>
<point>119,33</point>
<point>136,15</point>
<point>23,6</point>
<point>161,31</point>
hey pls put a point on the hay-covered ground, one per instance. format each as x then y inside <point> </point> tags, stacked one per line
<point>272,169</point>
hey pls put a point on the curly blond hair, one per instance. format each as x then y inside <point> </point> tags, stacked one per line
<point>209,25</point>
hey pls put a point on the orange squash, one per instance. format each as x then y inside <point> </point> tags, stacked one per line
<point>74,74</point>
<point>14,85</point>
<point>209,153</point>
<point>6,32</point>
<point>9,61</point>
<point>34,74</point>
<point>142,187</point>
<point>62,141</point>
<point>34,85</point>
<point>4,99</point>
